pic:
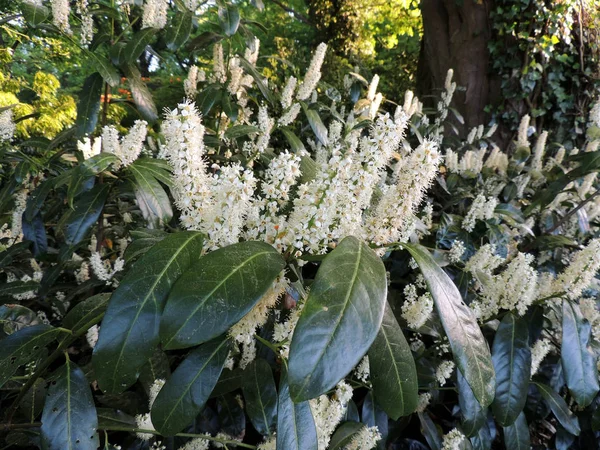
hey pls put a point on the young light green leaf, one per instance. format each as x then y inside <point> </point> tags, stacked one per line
<point>393,370</point>
<point>470,349</point>
<point>516,436</point>
<point>18,348</point>
<point>560,409</point>
<point>261,396</point>
<point>295,424</point>
<point>184,394</point>
<point>340,320</point>
<point>511,356</point>
<point>217,291</point>
<point>69,419</point>
<point>129,332</point>
<point>578,361</point>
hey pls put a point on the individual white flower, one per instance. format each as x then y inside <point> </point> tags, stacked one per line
<point>144,422</point>
<point>497,160</point>
<point>219,72</point>
<point>313,74</point>
<point>578,275</point>
<point>365,439</point>
<point>444,371</point>
<point>456,251</point>
<point>7,126</point>
<point>539,351</point>
<point>284,331</point>
<point>155,14</point>
<point>423,402</point>
<point>60,15</point>
<point>453,440</point>
<point>103,269</point>
<point>83,274</point>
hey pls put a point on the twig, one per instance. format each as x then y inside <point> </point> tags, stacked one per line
<point>573,211</point>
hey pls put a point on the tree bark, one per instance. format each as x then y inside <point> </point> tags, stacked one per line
<point>455,36</point>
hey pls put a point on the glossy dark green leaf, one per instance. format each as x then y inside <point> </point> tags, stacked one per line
<point>469,347</point>
<point>229,18</point>
<point>512,363</point>
<point>85,214</point>
<point>344,435</point>
<point>88,107</point>
<point>229,381</point>
<point>473,415</point>
<point>560,409</point>
<point>18,287</point>
<point>104,68</point>
<point>138,43</point>
<point>158,367</point>
<point>511,212</point>
<point>230,107</point>
<point>316,124</point>
<point>86,314</point>
<point>81,175</point>
<point>232,418</point>
<point>294,141</point>
<point>34,231</point>
<point>34,14</point>
<point>142,97</point>
<point>295,424</point>
<point>393,370</point>
<point>179,30</point>
<point>15,317</point>
<point>152,199</point>
<point>258,78</point>
<point>578,360</point>
<point>109,417</point>
<point>374,416</point>
<point>261,396</point>
<point>143,240</point>
<point>18,348</point>
<point>430,431</point>
<point>340,320</point>
<point>237,131</point>
<point>516,436</point>
<point>129,332</point>
<point>184,394</point>
<point>32,404</point>
<point>482,439</point>
<point>208,98</point>
<point>217,291</point>
<point>69,419</point>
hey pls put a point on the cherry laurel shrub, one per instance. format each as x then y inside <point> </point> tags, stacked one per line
<point>287,267</point>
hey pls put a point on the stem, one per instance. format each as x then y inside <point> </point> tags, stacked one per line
<point>573,211</point>
<point>192,435</point>
<point>100,231</point>
<point>267,344</point>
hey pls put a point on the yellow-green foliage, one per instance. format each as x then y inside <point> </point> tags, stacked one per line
<point>52,111</point>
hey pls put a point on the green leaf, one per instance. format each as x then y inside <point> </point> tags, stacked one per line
<point>86,314</point>
<point>19,348</point>
<point>578,360</point>
<point>511,356</point>
<point>143,240</point>
<point>18,287</point>
<point>295,424</point>
<point>473,415</point>
<point>229,381</point>
<point>129,332</point>
<point>470,349</point>
<point>482,440</point>
<point>393,370</point>
<point>516,436</point>
<point>88,107</point>
<point>104,68</point>
<point>374,416</point>
<point>34,14</point>
<point>142,97</point>
<point>232,417</point>
<point>138,43</point>
<point>86,170</point>
<point>217,291</point>
<point>184,394</point>
<point>152,199</point>
<point>261,396</point>
<point>230,107</point>
<point>157,367</point>
<point>429,430</point>
<point>560,409</point>
<point>240,130</point>
<point>510,211</point>
<point>69,419</point>
<point>179,31</point>
<point>108,417</point>
<point>85,213</point>
<point>344,435</point>
<point>293,140</point>
<point>16,317</point>
<point>266,92</point>
<point>229,18</point>
<point>316,124</point>
<point>340,320</point>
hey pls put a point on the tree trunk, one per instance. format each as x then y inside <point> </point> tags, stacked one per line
<point>455,37</point>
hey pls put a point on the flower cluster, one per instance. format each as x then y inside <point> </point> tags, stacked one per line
<point>126,148</point>
<point>329,411</point>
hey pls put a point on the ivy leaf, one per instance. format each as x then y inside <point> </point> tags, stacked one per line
<point>512,363</point>
<point>516,436</point>
<point>474,416</point>
<point>217,291</point>
<point>229,18</point>
<point>85,213</point>
<point>138,43</point>
<point>184,394</point>
<point>179,31</point>
<point>129,332</point>
<point>17,349</point>
<point>88,107</point>
<point>470,349</point>
<point>578,361</point>
<point>340,320</point>
<point>560,409</point>
<point>86,314</point>
<point>69,419</point>
<point>261,396</point>
<point>295,424</point>
<point>393,370</point>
